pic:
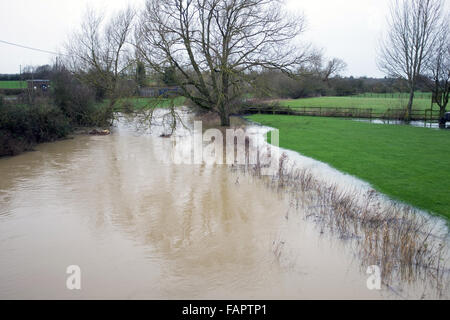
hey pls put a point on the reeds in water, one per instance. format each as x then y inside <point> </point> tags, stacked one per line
<point>406,244</point>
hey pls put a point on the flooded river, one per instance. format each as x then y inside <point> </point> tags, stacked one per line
<point>141,227</point>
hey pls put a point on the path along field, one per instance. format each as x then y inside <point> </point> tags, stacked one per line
<point>377,102</point>
<point>407,163</point>
<point>13,84</point>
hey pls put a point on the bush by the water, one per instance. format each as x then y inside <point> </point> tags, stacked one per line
<point>40,117</point>
<point>78,101</point>
<point>22,126</point>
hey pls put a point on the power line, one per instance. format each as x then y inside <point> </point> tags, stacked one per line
<point>31,48</point>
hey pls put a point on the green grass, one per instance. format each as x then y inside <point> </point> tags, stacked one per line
<point>397,95</point>
<point>139,103</point>
<point>13,84</point>
<point>143,103</point>
<point>378,104</point>
<point>407,163</point>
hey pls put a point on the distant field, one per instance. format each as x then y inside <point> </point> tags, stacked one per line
<point>418,95</point>
<point>145,103</point>
<point>13,84</point>
<point>379,104</point>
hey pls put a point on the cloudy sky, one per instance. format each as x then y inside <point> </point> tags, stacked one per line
<point>348,29</point>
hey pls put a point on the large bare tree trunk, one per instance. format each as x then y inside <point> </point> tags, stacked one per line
<point>438,69</point>
<point>224,121</point>
<point>410,104</point>
<point>224,117</point>
<point>442,118</point>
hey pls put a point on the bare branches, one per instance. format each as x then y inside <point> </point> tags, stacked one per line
<point>99,53</point>
<point>333,68</point>
<point>413,26</point>
<point>213,44</point>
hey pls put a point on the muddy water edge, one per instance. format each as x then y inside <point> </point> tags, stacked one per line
<point>141,227</point>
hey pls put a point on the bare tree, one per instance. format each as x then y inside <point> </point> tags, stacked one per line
<point>99,54</point>
<point>215,44</point>
<point>438,70</point>
<point>333,68</point>
<point>412,32</point>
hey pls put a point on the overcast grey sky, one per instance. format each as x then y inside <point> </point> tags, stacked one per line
<point>348,29</point>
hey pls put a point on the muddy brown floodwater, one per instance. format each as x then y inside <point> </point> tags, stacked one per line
<point>141,227</point>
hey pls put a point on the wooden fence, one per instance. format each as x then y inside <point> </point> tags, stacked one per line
<point>364,113</point>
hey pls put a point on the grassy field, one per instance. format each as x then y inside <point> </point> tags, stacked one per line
<point>139,103</point>
<point>397,95</point>
<point>379,104</point>
<point>143,103</point>
<point>407,163</point>
<point>13,84</point>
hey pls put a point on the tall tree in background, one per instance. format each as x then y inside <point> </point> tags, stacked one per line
<point>333,68</point>
<point>169,76</point>
<point>141,76</point>
<point>413,29</point>
<point>438,69</point>
<point>99,54</point>
<point>213,45</point>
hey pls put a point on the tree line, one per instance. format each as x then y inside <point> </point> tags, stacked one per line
<point>220,52</point>
<point>417,45</point>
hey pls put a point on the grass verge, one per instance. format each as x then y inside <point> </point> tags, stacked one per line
<point>407,163</point>
<point>13,84</point>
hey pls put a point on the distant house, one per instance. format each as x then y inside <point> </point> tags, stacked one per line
<point>160,92</point>
<point>38,84</point>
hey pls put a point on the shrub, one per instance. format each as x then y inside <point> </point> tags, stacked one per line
<point>76,101</point>
<point>11,92</point>
<point>127,106</point>
<point>102,115</point>
<point>22,126</point>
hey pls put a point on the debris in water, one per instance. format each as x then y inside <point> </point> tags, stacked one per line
<point>100,132</point>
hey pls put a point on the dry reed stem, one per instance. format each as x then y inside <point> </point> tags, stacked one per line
<point>403,242</point>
